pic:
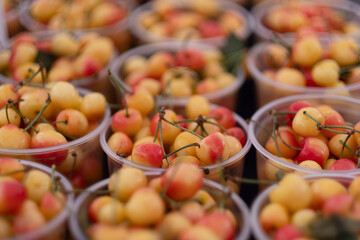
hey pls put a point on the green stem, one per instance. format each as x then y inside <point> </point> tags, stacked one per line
<point>274,135</point>
<point>344,144</point>
<point>121,90</point>
<point>48,101</point>
<point>218,125</point>
<point>283,141</point>
<point>183,147</point>
<point>187,130</point>
<point>252,181</point>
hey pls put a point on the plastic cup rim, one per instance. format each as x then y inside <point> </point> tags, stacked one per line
<point>273,104</point>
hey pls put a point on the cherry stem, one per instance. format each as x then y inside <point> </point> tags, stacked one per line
<point>7,113</point>
<point>344,143</point>
<point>275,126</point>
<point>284,142</point>
<point>274,112</point>
<point>48,101</point>
<point>320,126</point>
<point>53,177</point>
<point>24,119</point>
<point>76,190</point>
<point>218,125</point>
<point>122,91</point>
<point>251,181</point>
<point>348,68</point>
<point>65,134</point>
<point>348,148</point>
<point>180,127</point>
<point>26,82</point>
<point>42,74</point>
<point>183,147</point>
<point>280,41</point>
<point>14,172</point>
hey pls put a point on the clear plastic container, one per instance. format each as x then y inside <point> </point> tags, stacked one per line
<point>232,166</point>
<point>145,36</point>
<point>118,31</point>
<point>224,97</point>
<point>263,198</point>
<point>261,124</point>
<point>349,9</point>
<point>82,157</point>
<point>56,227</point>
<point>79,219</point>
<point>268,89</point>
<point>13,21</point>
<point>98,82</point>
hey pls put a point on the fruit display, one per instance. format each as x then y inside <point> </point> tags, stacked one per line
<point>35,201</point>
<point>309,65</point>
<point>327,17</point>
<point>106,17</point>
<point>322,206</point>
<point>179,204</point>
<point>54,124</point>
<point>81,60</point>
<point>173,71</point>
<point>314,134</point>
<point>208,21</point>
<point>206,135</point>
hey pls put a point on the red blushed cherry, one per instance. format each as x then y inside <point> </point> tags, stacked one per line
<point>150,154</point>
<point>294,107</point>
<point>76,180</point>
<point>223,116</point>
<point>343,204</point>
<point>180,118</point>
<point>288,232</point>
<point>238,133</point>
<point>285,134</point>
<point>220,223</point>
<point>12,195</point>
<point>209,29</point>
<point>182,181</point>
<point>313,148</point>
<point>343,164</point>
<point>49,138</point>
<point>190,58</point>
<point>127,124</point>
<point>309,80</point>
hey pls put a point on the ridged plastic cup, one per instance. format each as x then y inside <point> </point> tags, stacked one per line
<point>232,166</point>
<point>263,198</point>
<point>83,155</point>
<point>350,10</point>
<point>98,82</point>
<point>224,97</point>
<point>79,220</point>
<point>56,227</point>
<point>118,32</point>
<point>144,36</point>
<point>268,165</point>
<point>268,89</point>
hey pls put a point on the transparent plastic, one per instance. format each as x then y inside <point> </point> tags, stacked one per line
<point>260,127</point>
<point>268,89</point>
<point>82,155</point>
<point>232,166</point>
<point>79,219</point>
<point>56,227</point>
<point>224,97</point>
<point>350,10</point>
<point>118,31</point>
<point>263,198</point>
<point>98,82</point>
<point>146,36</point>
